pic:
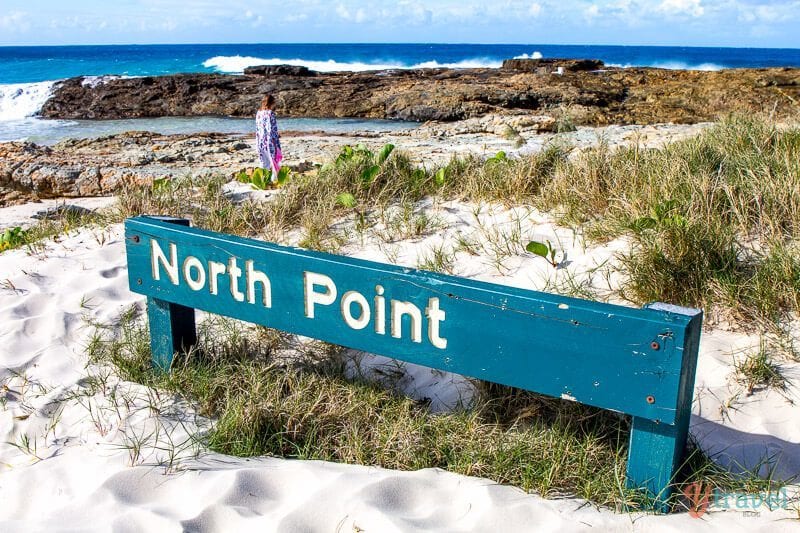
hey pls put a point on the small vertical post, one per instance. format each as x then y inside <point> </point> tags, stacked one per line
<point>656,449</point>
<point>172,326</point>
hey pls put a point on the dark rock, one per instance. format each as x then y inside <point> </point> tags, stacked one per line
<point>607,96</point>
<point>279,70</point>
<point>61,211</point>
<point>550,65</point>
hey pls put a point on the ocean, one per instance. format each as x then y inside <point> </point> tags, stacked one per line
<point>27,74</point>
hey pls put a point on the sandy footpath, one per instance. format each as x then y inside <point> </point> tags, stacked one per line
<point>82,451</point>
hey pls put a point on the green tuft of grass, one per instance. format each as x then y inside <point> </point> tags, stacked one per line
<point>679,263</point>
<point>52,227</point>
<point>757,369</point>
<point>438,259</point>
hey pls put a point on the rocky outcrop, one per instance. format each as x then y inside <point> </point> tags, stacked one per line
<point>594,97</point>
<point>280,70</point>
<point>97,167</point>
<point>547,66</point>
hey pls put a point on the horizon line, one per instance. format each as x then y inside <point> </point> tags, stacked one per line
<point>72,45</point>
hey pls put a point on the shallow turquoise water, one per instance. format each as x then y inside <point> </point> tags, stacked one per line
<point>42,131</point>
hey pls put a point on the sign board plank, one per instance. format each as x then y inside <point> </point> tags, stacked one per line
<point>613,357</point>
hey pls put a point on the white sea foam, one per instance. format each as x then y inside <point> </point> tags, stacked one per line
<point>672,65</point>
<point>535,55</point>
<point>237,64</point>
<point>21,100</point>
<point>94,81</point>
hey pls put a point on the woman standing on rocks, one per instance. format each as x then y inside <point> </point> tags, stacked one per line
<point>267,139</point>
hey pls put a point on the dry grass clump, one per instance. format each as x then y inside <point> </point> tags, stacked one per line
<point>201,201</point>
<point>715,219</point>
<point>744,172</point>
<point>53,225</point>
<point>758,369</point>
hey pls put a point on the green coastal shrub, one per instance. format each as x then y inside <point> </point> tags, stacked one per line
<point>12,238</point>
<point>679,263</point>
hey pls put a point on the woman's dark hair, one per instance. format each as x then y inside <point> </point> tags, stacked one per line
<point>267,102</point>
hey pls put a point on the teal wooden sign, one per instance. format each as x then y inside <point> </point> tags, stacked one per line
<point>640,362</point>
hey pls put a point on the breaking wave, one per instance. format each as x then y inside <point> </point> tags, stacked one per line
<point>237,64</point>
<point>672,65</point>
<point>535,55</point>
<point>22,100</point>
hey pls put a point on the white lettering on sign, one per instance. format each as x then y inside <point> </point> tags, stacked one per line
<point>354,297</point>
<point>197,275</point>
<point>406,308</point>
<point>235,273</point>
<point>399,318</point>
<point>253,276</point>
<point>310,280</point>
<point>354,308</point>
<point>435,317</point>
<point>157,258</point>
<point>197,281</point>
<point>214,271</point>
<point>380,311</point>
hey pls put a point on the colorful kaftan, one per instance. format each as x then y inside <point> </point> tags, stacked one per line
<point>267,140</point>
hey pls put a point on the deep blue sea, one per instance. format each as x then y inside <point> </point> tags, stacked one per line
<point>27,74</point>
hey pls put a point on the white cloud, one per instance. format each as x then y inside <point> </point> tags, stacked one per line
<point>727,22</point>
<point>15,21</point>
<point>769,13</point>
<point>464,12</point>
<point>681,7</point>
<point>296,17</point>
<point>358,17</point>
<point>420,14</point>
<point>343,12</point>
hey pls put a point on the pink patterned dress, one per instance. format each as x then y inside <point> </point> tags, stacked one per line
<point>268,141</point>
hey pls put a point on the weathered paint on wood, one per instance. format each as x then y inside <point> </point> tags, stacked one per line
<point>172,326</point>
<point>656,450</point>
<point>636,361</point>
<point>172,330</point>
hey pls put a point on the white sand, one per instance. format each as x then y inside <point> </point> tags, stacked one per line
<point>77,472</point>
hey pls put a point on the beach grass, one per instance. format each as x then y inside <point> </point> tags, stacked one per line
<point>270,394</point>
<point>713,220</point>
<point>53,226</point>
<point>759,368</point>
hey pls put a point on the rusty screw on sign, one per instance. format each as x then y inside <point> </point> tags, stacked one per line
<point>654,345</point>
<point>651,399</point>
<point>135,238</point>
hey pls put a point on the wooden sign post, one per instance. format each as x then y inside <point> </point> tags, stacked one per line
<point>640,362</point>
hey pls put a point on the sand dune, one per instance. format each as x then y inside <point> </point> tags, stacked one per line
<point>69,431</point>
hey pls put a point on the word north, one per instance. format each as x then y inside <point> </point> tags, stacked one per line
<point>386,315</point>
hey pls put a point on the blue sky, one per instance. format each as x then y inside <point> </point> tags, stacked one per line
<point>659,22</point>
